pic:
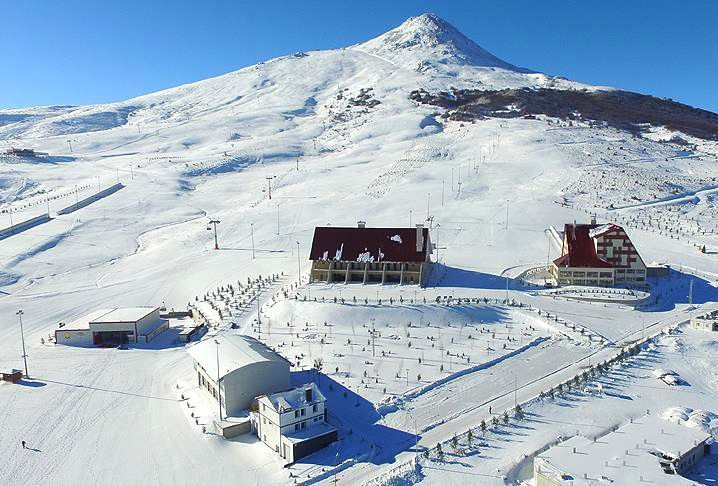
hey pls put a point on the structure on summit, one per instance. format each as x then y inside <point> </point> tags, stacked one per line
<point>371,255</point>
<point>602,255</point>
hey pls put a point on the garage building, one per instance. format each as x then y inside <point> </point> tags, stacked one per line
<point>244,367</point>
<point>110,327</point>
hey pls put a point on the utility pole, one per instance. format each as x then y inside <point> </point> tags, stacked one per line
<point>77,200</point>
<point>214,223</point>
<point>373,335</point>
<point>690,293</point>
<point>438,225</point>
<point>69,144</point>
<point>507,215</point>
<point>548,252</point>
<point>251,233</point>
<point>507,289</point>
<point>219,387</point>
<point>269,185</point>
<point>299,266</point>
<point>259,317</point>
<point>22,338</point>
<point>297,164</point>
<point>13,224</point>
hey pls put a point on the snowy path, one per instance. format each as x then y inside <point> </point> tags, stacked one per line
<point>532,379</point>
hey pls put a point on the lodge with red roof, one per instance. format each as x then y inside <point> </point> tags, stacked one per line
<point>598,254</point>
<point>371,255</point>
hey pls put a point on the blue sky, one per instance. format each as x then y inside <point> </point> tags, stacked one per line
<point>81,51</point>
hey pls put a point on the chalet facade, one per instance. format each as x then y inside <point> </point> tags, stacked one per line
<point>371,255</point>
<point>293,423</point>
<point>600,255</point>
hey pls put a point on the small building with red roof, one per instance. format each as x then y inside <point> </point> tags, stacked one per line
<point>371,255</point>
<point>598,254</point>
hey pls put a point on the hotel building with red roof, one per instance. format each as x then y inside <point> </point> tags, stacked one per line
<point>598,254</point>
<point>371,255</point>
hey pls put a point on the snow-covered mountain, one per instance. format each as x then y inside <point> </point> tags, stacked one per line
<point>427,41</point>
<point>420,125</point>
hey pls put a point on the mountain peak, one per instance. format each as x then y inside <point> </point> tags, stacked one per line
<point>429,39</point>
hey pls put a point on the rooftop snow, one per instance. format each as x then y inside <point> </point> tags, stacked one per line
<point>235,351</point>
<point>623,456</point>
<point>368,244</point>
<point>124,314</point>
<point>295,398</point>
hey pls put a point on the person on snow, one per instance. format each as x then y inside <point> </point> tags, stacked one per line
<point>24,445</point>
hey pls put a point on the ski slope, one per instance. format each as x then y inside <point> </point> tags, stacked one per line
<point>341,141</point>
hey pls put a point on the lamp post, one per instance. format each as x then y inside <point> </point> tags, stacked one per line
<point>219,387</point>
<point>277,219</point>
<point>22,338</point>
<point>252,236</point>
<point>259,318</point>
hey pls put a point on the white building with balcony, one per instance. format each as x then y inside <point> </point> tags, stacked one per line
<point>293,423</point>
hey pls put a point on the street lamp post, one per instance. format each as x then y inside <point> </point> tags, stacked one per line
<point>219,386</point>
<point>277,219</point>
<point>22,338</point>
<point>252,237</point>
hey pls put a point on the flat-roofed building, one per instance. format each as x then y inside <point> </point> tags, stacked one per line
<point>649,450</point>
<point>293,423</point>
<point>110,327</point>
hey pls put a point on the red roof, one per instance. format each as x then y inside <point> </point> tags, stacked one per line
<point>368,244</point>
<point>581,251</point>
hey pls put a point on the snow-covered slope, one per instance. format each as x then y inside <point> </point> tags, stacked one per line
<point>340,139</point>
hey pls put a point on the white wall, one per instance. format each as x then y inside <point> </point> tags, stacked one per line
<point>245,384</point>
<point>73,337</point>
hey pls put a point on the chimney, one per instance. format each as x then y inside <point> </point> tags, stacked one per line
<point>593,218</point>
<point>361,224</point>
<point>308,394</point>
<point>419,237</point>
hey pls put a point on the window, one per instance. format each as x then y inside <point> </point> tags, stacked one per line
<point>296,427</point>
<point>304,412</point>
<point>315,407</point>
<point>265,419</point>
<point>304,425</point>
<point>264,407</point>
<point>296,414</point>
